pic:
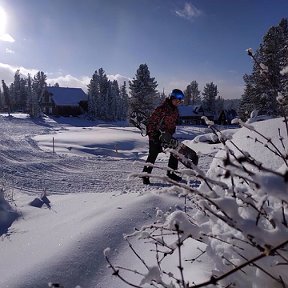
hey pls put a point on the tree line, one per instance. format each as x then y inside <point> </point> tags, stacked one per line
<point>107,100</point>
<point>145,97</point>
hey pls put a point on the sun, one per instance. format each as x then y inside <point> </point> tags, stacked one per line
<point>3,19</point>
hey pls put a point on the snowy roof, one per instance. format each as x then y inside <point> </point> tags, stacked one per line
<point>65,96</point>
<point>190,110</point>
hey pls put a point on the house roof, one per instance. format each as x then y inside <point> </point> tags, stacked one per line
<point>190,110</point>
<point>65,96</point>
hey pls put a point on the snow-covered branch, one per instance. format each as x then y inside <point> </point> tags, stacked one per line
<point>239,213</point>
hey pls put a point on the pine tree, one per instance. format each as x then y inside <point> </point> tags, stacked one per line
<point>266,81</point>
<point>103,94</point>
<point>192,94</point>
<point>124,102</point>
<point>113,101</point>
<point>162,97</point>
<point>144,96</point>
<point>249,100</point>
<point>219,105</point>
<point>188,96</point>
<point>6,96</point>
<point>283,61</point>
<point>93,96</point>
<point>12,99</point>
<point>272,54</point>
<point>231,104</point>
<point>38,86</point>
<point>1,100</point>
<point>29,95</point>
<point>23,94</point>
<point>16,91</point>
<point>104,99</point>
<point>209,94</point>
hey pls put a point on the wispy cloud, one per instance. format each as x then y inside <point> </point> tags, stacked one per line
<point>189,12</point>
<point>9,51</point>
<point>82,82</point>
<point>7,72</point>
<point>69,81</point>
<point>119,78</point>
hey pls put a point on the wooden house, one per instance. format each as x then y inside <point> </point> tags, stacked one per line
<point>191,114</point>
<point>63,101</point>
<point>226,116</point>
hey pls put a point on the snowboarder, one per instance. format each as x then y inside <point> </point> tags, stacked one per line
<point>160,128</point>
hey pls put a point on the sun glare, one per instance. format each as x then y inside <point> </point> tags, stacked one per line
<point>3,20</point>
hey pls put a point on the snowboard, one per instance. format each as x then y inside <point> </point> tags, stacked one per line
<point>178,149</point>
<point>187,152</point>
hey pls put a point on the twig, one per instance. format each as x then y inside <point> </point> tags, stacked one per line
<point>214,279</point>
<point>179,244</point>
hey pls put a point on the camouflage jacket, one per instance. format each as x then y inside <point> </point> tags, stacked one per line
<point>163,118</point>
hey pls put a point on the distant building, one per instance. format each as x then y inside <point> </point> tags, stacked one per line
<point>63,101</point>
<point>191,114</point>
<point>226,116</point>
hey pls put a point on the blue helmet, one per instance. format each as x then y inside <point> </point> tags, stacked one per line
<point>177,94</point>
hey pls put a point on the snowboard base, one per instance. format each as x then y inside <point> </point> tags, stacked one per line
<point>187,153</point>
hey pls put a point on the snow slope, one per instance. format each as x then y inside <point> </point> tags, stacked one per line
<point>65,245</point>
<point>93,199</point>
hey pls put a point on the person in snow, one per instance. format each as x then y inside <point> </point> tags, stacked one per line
<point>160,128</point>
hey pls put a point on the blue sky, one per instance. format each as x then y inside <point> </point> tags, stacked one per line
<point>180,41</point>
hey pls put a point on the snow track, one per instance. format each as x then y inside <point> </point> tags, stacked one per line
<point>26,167</point>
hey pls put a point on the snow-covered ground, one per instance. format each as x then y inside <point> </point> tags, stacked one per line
<point>84,168</point>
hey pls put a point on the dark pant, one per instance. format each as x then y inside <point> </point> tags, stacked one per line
<point>154,149</point>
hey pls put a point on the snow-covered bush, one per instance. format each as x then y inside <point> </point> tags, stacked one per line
<point>238,215</point>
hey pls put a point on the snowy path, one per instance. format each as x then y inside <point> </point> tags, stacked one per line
<point>26,167</point>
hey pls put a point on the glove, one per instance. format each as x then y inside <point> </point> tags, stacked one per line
<point>173,143</point>
<point>165,137</point>
<point>167,141</point>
